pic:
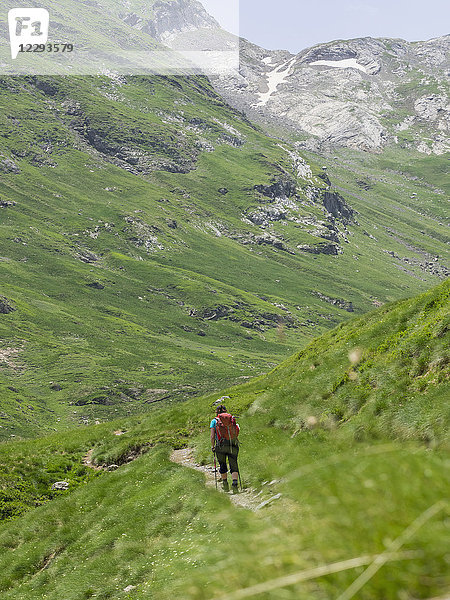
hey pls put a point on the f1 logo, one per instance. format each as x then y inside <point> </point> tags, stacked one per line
<point>27,26</point>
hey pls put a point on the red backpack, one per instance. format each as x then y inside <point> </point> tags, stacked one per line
<point>226,427</point>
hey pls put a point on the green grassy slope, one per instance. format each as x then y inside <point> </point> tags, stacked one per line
<point>350,431</point>
<point>134,279</point>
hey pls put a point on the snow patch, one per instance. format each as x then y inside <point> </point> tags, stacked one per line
<point>346,63</point>
<point>275,78</point>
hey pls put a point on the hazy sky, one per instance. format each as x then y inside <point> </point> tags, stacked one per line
<point>297,24</point>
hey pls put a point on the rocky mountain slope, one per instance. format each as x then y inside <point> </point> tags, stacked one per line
<point>364,93</point>
<point>155,242</point>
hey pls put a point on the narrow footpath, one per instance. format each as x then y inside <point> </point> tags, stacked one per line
<point>247,498</point>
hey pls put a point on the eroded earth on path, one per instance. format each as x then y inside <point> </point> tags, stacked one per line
<point>247,497</point>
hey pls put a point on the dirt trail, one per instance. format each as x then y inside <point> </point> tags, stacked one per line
<point>246,498</point>
<point>87,461</point>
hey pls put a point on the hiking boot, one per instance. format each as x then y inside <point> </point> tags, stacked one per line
<point>234,486</point>
<point>226,487</point>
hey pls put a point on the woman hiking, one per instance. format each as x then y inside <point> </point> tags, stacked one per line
<point>224,444</point>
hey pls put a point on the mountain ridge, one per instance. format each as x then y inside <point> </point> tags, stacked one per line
<point>355,105</point>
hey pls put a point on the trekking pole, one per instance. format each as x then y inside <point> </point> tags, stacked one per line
<point>215,468</point>
<point>239,474</point>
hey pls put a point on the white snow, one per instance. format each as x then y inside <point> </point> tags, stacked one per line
<point>346,63</point>
<point>274,79</point>
<point>267,60</point>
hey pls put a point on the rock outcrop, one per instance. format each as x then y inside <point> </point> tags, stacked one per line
<point>8,166</point>
<point>339,302</point>
<point>60,485</point>
<point>246,316</point>
<point>5,306</point>
<point>338,207</point>
<point>321,248</point>
<point>284,187</point>
<point>165,21</point>
<point>6,203</point>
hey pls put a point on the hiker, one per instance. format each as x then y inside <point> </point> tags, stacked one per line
<point>224,444</point>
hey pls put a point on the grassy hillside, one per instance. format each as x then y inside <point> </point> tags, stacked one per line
<point>156,245</point>
<point>346,438</point>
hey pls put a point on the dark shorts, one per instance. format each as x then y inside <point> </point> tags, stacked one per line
<point>226,450</point>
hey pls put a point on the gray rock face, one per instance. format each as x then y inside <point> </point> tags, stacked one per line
<point>7,203</point>
<point>5,306</point>
<point>339,302</point>
<point>349,93</point>
<point>8,166</point>
<point>166,21</point>
<point>282,188</point>
<point>331,249</point>
<point>264,214</point>
<point>87,256</point>
<point>337,206</point>
<point>432,108</point>
<point>96,285</point>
